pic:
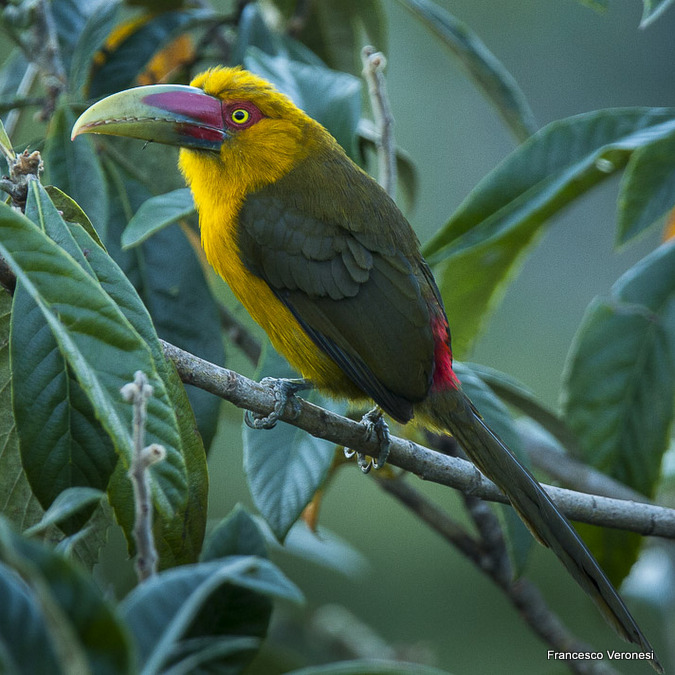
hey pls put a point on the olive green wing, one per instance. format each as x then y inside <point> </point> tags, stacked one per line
<point>350,273</point>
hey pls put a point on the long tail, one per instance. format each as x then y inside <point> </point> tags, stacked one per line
<point>452,411</point>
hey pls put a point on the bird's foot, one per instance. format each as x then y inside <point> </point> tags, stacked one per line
<point>374,422</point>
<point>284,392</point>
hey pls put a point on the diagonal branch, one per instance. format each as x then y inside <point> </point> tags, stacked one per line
<point>645,519</point>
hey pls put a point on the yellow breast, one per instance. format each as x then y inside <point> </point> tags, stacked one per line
<point>219,201</point>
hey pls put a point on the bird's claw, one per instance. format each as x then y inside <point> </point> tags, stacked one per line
<point>374,422</point>
<point>284,392</point>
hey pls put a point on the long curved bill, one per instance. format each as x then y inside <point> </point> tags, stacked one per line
<point>173,114</point>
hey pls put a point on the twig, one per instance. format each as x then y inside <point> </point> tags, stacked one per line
<point>22,169</point>
<point>139,392</point>
<point>645,519</point>
<point>492,559</point>
<point>49,57</point>
<point>374,64</point>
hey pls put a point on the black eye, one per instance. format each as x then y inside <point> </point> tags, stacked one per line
<point>240,116</point>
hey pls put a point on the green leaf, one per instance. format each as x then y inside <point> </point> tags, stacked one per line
<point>619,389</point>
<point>73,166</point>
<point>169,291</point>
<point>71,212</point>
<point>330,97</point>
<point>17,502</point>
<point>62,442</point>
<point>184,535</point>
<point>98,27</point>
<point>284,466</point>
<point>647,188</point>
<point>501,217</point>
<point>652,9</point>
<point>22,629</point>
<point>179,537</point>
<point>83,627</point>
<point>128,59</point>
<point>482,65</point>
<point>369,667</point>
<point>68,503</point>
<point>100,345</point>
<point>238,534</point>
<point>5,144</point>
<point>156,213</point>
<point>619,381</point>
<point>183,604</point>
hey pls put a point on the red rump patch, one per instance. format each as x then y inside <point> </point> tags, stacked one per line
<point>444,376</point>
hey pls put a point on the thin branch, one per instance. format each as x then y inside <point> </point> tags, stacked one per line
<point>524,595</point>
<point>22,169</point>
<point>138,393</point>
<point>374,64</point>
<point>645,519</point>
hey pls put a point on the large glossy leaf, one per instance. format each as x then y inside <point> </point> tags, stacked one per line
<point>284,466</point>
<point>494,226</point>
<point>184,605</point>
<point>22,628</point>
<point>100,345</point>
<point>73,166</point>
<point>83,627</point>
<point>647,188</point>
<point>619,382</point>
<point>238,534</point>
<point>179,537</point>
<point>17,502</point>
<point>619,387</point>
<point>62,442</point>
<point>482,65</point>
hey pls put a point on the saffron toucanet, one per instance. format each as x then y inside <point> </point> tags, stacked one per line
<point>326,263</point>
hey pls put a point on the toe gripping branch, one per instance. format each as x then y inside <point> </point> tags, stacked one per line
<point>284,391</point>
<point>374,422</point>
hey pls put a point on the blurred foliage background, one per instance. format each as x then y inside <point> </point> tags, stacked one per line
<point>417,596</point>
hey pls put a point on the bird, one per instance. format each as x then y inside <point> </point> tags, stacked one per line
<point>326,263</point>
